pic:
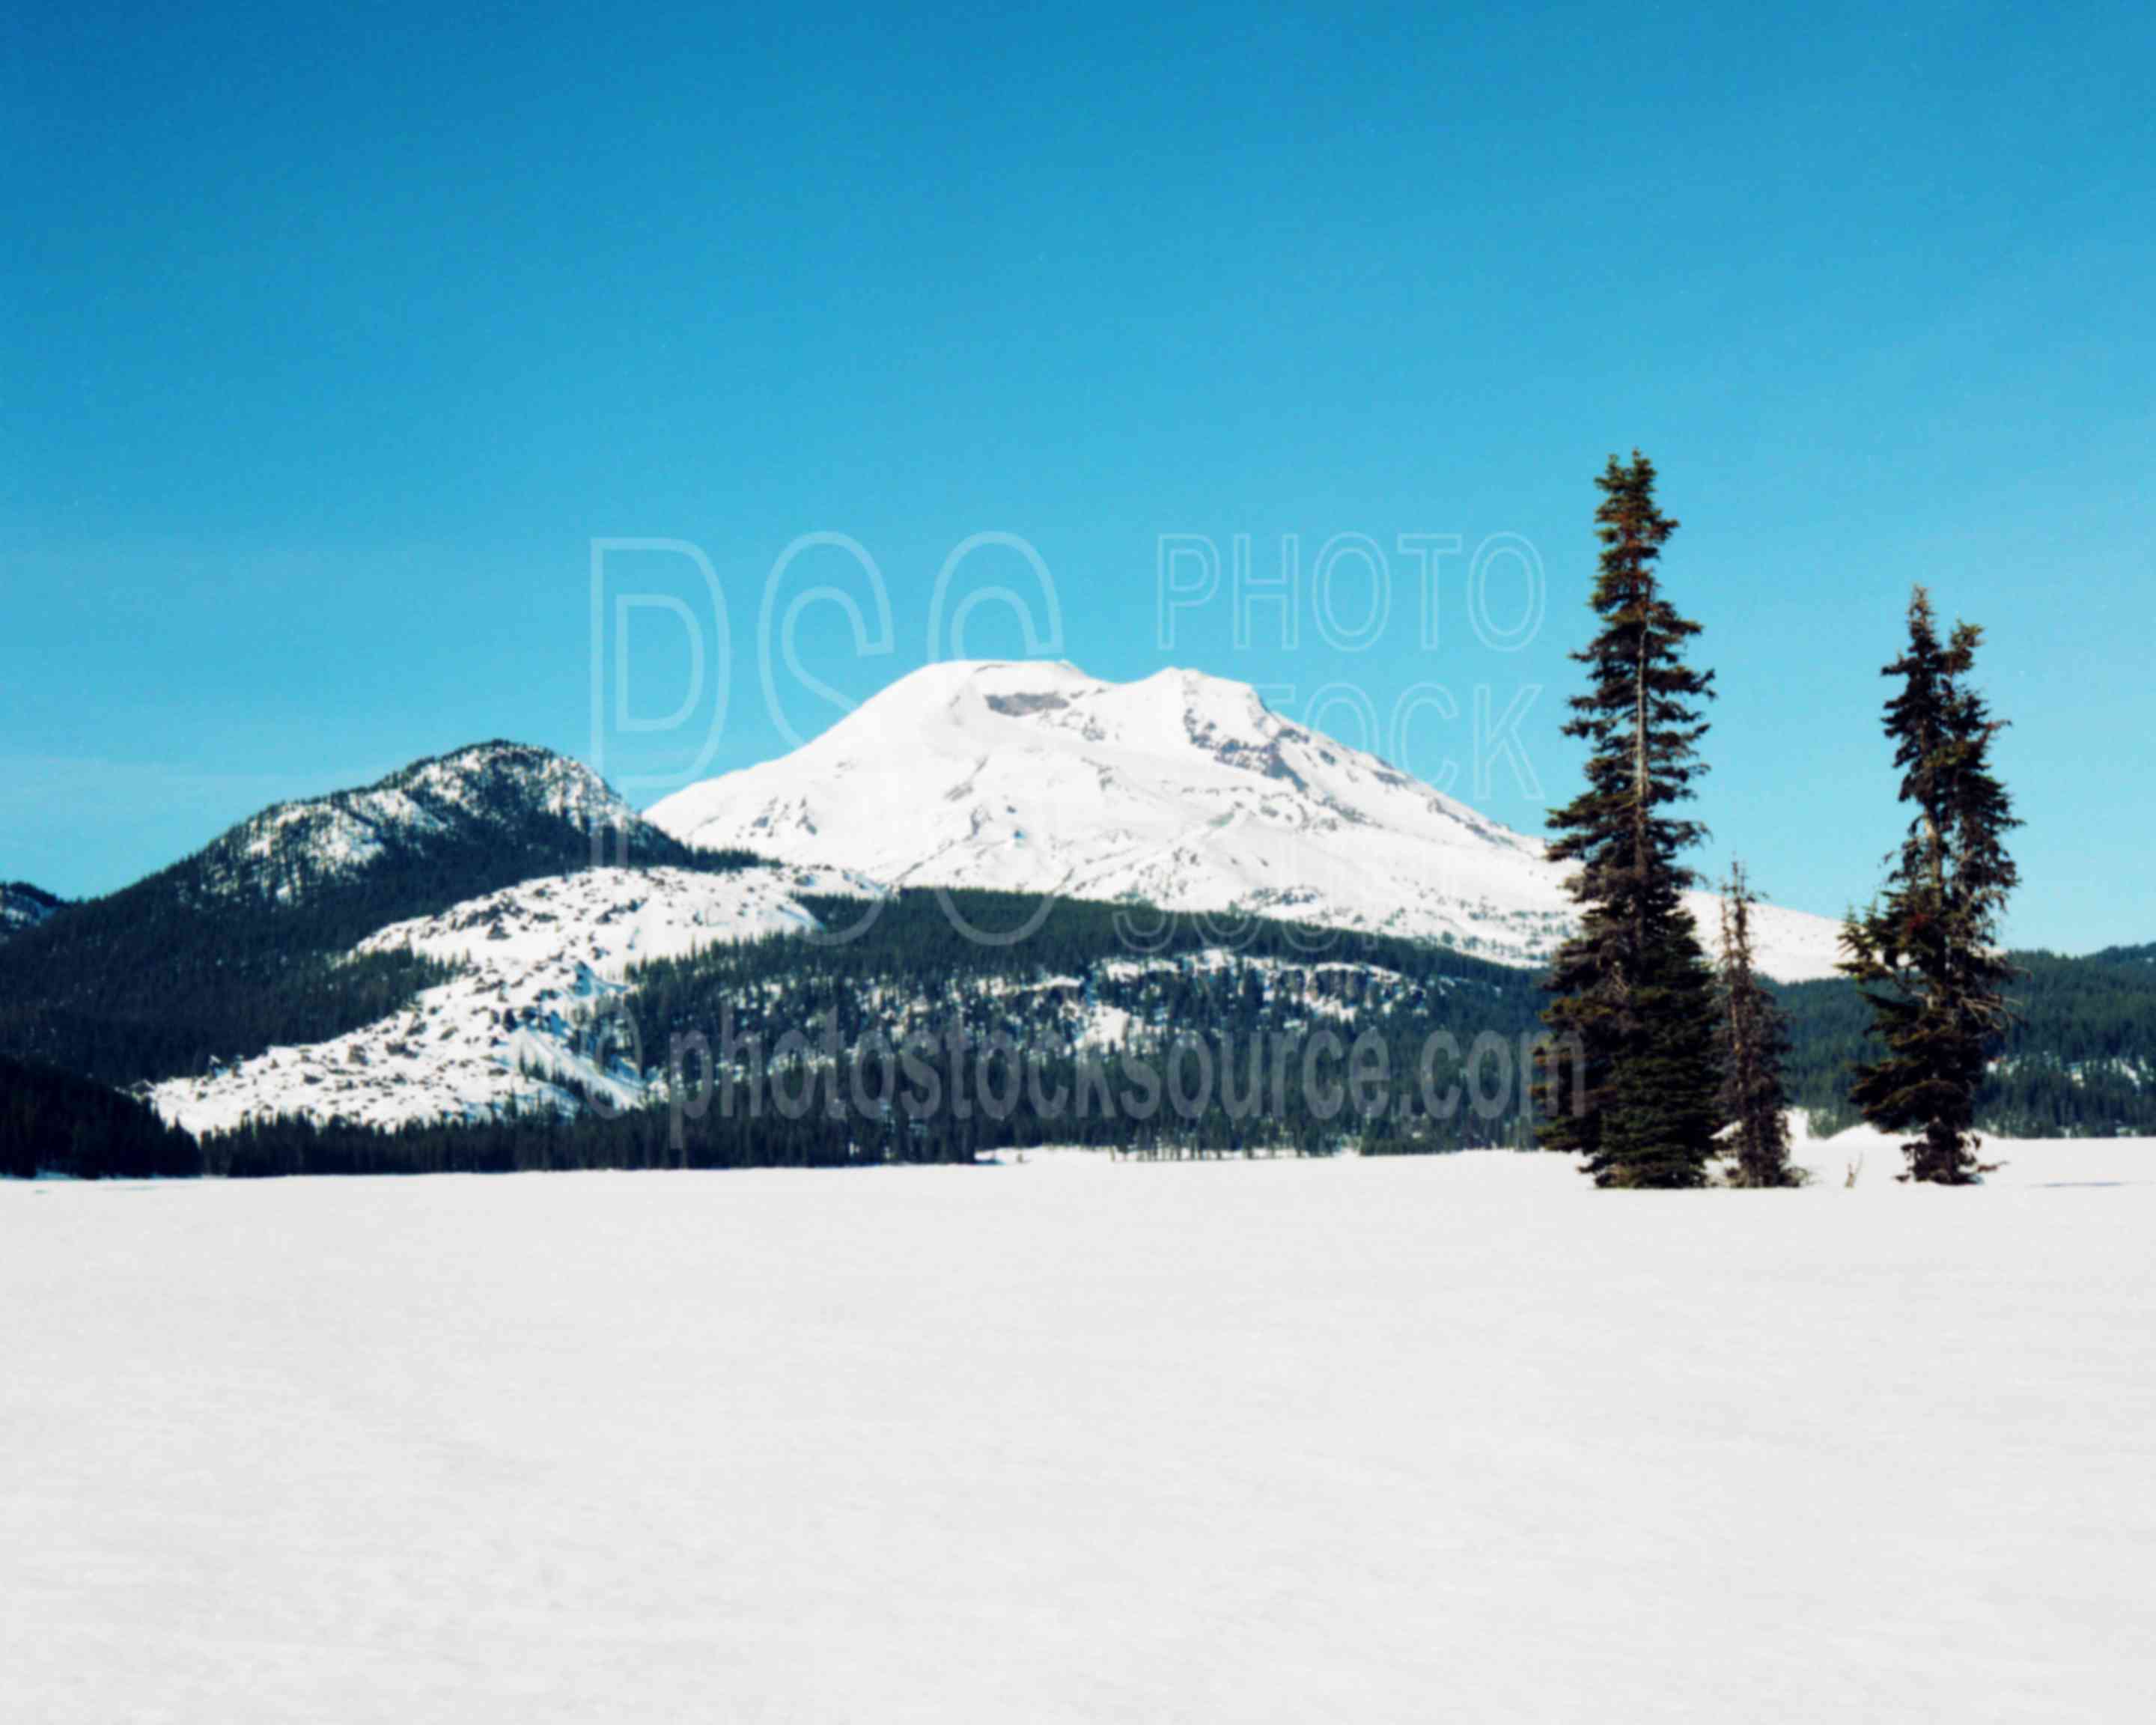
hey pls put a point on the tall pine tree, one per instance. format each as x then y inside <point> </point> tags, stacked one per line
<point>1755,1039</point>
<point>1627,1077</point>
<point>1926,952</point>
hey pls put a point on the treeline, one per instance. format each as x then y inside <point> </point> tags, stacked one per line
<point>958,1105</point>
<point>2080,1059</point>
<point>56,1122</point>
<point>1017,1018</point>
<point>921,947</point>
<point>1203,1000</point>
<point>1244,1037</point>
<point>543,1141</point>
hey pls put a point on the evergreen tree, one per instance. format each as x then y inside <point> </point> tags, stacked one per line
<point>54,1122</point>
<point>1627,1077</point>
<point>1755,1041</point>
<point>1926,952</point>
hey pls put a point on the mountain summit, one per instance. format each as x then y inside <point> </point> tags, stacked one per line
<point>1182,790</point>
<point>247,942</point>
<point>24,906</point>
<point>494,797</point>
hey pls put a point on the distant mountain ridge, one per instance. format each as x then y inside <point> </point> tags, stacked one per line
<point>509,797</point>
<point>24,907</point>
<point>249,941</point>
<point>439,946</point>
<point>1182,791</point>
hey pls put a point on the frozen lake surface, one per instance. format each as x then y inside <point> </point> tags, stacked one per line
<point>1080,1440</point>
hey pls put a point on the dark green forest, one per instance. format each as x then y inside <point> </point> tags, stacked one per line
<point>2081,1061</point>
<point>55,1122</point>
<point>918,1011</point>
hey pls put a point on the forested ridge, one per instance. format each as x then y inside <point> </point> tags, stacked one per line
<point>2081,1059</point>
<point>938,1025</point>
<point>56,1122</point>
<point>1001,1019</point>
<point>248,942</point>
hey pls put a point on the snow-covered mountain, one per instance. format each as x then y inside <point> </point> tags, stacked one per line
<point>1182,791</point>
<point>526,1021</point>
<point>493,797</point>
<point>24,906</point>
<point>237,945</point>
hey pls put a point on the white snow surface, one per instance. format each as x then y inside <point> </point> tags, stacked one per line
<point>1082,1441</point>
<point>549,954</point>
<point>1182,790</point>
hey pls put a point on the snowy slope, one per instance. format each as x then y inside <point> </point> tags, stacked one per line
<point>1182,790</point>
<point>527,1020</point>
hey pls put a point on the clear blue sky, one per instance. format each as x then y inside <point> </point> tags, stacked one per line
<point>330,337</point>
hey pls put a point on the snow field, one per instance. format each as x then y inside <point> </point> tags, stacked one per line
<point>1452,1438</point>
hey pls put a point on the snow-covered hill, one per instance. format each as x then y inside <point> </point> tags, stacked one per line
<point>526,1023</point>
<point>233,948</point>
<point>1182,791</point>
<point>24,906</point>
<point>491,796</point>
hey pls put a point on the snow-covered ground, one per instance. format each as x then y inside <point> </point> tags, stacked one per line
<point>1360,1441</point>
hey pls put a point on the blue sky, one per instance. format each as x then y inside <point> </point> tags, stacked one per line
<point>332,337</point>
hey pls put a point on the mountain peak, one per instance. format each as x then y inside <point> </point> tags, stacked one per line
<point>23,906</point>
<point>1180,789</point>
<point>968,703</point>
<point>951,681</point>
<point>252,931</point>
<point>498,795</point>
<point>469,821</point>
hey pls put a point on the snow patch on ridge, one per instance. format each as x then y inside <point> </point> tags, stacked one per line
<point>522,1025</point>
<point>24,906</point>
